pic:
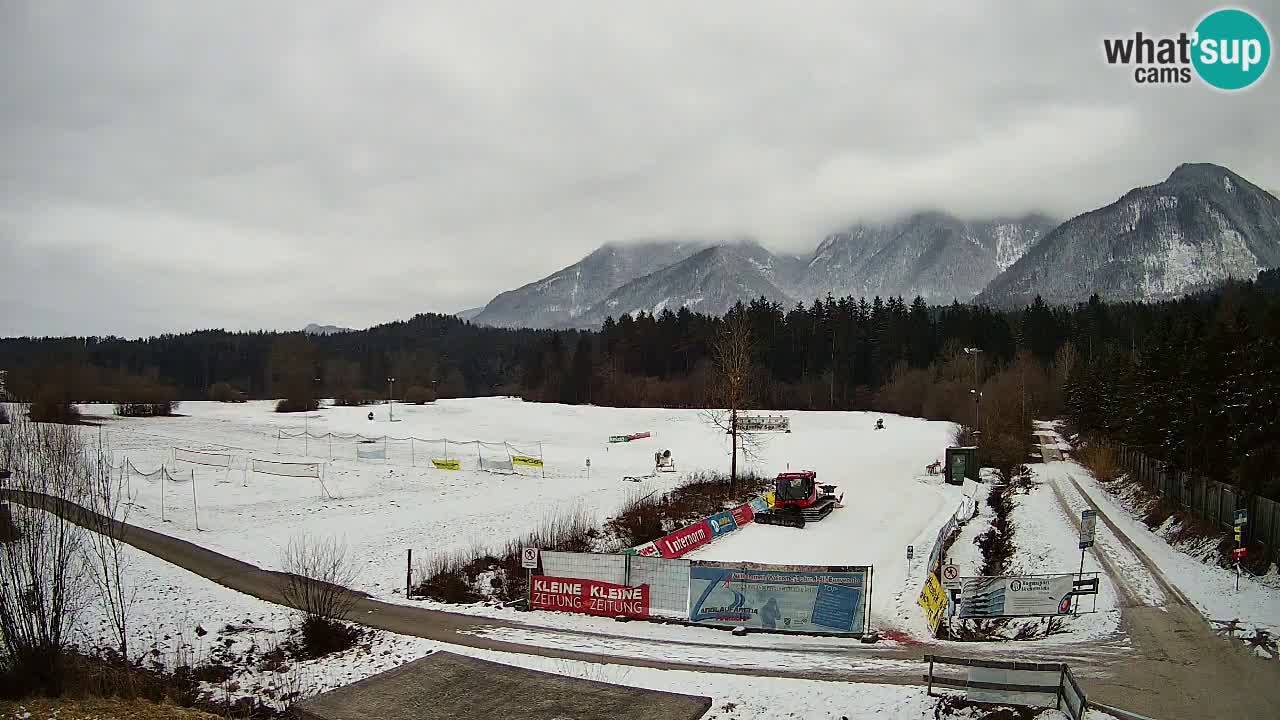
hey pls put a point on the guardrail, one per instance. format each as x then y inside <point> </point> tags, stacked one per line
<point>1048,685</point>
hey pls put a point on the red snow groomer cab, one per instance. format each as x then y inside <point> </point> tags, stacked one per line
<point>799,499</point>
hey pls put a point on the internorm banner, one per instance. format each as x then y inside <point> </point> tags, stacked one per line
<point>786,598</point>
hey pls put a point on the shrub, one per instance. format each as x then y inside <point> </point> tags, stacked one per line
<point>321,636</point>
<point>319,576</point>
<point>291,405</point>
<point>225,392</point>
<point>354,397</point>
<point>1100,459</point>
<point>419,395</point>
<point>53,407</point>
<point>649,517</point>
<point>162,408</point>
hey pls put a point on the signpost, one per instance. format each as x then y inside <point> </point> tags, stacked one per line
<point>1088,530</point>
<point>911,552</point>
<point>1241,519</point>
<point>529,561</point>
<point>950,576</point>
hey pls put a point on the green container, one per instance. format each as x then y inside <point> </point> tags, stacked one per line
<point>962,462</point>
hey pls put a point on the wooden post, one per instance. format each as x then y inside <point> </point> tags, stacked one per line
<point>162,477</point>
<point>930,691</point>
<point>408,573</point>
<point>412,461</point>
<point>195,506</point>
<point>544,462</point>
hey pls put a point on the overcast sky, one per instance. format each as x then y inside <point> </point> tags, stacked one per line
<point>174,165</point>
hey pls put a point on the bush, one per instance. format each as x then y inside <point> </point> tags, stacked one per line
<point>649,517</point>
<point>225,392</point>
<point>291,405</point>
<point>354,398</point>
<point>162,408</point>
<point>1099,459</point>
<point>319,576</point>
<point>321,636</point>
<point>52,407</point>
<point>419,395</point>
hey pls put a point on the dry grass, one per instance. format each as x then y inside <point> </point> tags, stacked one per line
<point>1101,460</point>
<point>98,709</point>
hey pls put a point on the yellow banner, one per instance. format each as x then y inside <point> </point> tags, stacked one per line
<point>768,498</point>
<point>446,464</point>
<point>934,601</point>
<point>526,460</point>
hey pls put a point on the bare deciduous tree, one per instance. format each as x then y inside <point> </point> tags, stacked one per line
<point>320,576</point>
<point>732,386</point>
<point>106,546</point>
<point>41,590</point>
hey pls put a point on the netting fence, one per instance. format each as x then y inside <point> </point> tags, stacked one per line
<point>667,578</point>
<point>505,457</point>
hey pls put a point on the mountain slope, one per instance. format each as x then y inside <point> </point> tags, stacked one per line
<point>315,329</point>
<point>710,281</point>
<point>1200,226</point>
<point>558,299</point>
<point>933,254</point>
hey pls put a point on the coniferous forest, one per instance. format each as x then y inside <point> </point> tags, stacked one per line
<point>1195,382</point>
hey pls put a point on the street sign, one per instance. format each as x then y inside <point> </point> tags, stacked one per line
<point>1241,518</point>
<point>1085,586</point>
<point>1237,533</point>
<point>911,551</point>
<point>1088,527</point>
<point>529,558</point>
<point>950,576</point>
<point>1239,553</point>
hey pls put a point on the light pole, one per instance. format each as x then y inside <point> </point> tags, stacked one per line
<point>977,394</point>
<point>391,399</point>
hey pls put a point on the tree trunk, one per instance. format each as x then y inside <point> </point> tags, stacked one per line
<point>733,464</point>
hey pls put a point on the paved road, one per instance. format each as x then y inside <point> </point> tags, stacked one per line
<point>1175,667</point>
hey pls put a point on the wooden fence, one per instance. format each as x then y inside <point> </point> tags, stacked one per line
<point>1211,500</point>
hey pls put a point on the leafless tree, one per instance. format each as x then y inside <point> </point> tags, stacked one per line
<point>320,575</point>
<point>42,593</point>
<point>731,389</point>
<point>105,496</point>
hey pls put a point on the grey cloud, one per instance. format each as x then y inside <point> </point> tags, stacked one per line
<point>251,165</point>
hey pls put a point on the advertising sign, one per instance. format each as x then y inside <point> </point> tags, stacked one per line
<point>526,460</point>
<point>1088,525</point>
<point>721,524</point>
<point>934,601</point>
<point>991,597</point>
<point>590,597</point>
<point>743,514</point>
<point>684,540</point>
<point>646,550</point>
<point>786,598</point>
<point>758,505</point>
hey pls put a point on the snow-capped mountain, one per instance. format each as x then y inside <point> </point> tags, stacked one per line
<point>1199,227</point>
<point>710,281</point>
<point>314,329</point>
<point>931,254</point>
<point>560,298</point>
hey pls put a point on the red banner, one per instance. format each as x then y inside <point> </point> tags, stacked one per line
<point>684,540</point>
<point>590,597</point>
<point>639,436</point>
<point>743,514</point>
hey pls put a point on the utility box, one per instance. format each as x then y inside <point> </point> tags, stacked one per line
<point>962,462</point>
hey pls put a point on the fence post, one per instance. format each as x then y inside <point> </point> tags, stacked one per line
<point>408,574</point>
<point>930,691</point>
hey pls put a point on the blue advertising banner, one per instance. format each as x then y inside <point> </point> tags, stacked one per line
<point>784,598</point>
<point>722,523</point>
<point>758,505</point>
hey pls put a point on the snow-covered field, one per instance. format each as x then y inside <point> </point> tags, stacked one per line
<point>382,509</point>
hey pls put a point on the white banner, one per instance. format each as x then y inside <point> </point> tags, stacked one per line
<point>497,465</point>
<point>1016,596</point>
<point>371,452</point>
<point>270,467</point>
<point>199,457</point>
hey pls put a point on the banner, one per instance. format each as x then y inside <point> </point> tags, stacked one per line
<point>721,524</point>
<point>639,435</point>
<point>197,457</point>
<point>685,540</point>
<point>786,598</point>
<point>768,499</point>
<point>526,460</point>
<point>764,423</point>
<point>496,465</point>
<point>934,601</point>
<point>269,467</point>
<point>1013,596</point>
<point>590,597</point>
<point>743,514</point>
<point>646,550</point>
<point>619,438</point>
<point>371,453</point>
<point>446,464</point>
<point>759,505</point>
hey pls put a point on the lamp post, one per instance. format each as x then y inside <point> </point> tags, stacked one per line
<point>391,399</point>
<point>977,394</point>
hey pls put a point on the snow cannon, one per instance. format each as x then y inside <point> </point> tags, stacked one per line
<point>798,499</point>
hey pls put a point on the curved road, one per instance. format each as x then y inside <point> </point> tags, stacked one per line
<point>1176,667</point>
